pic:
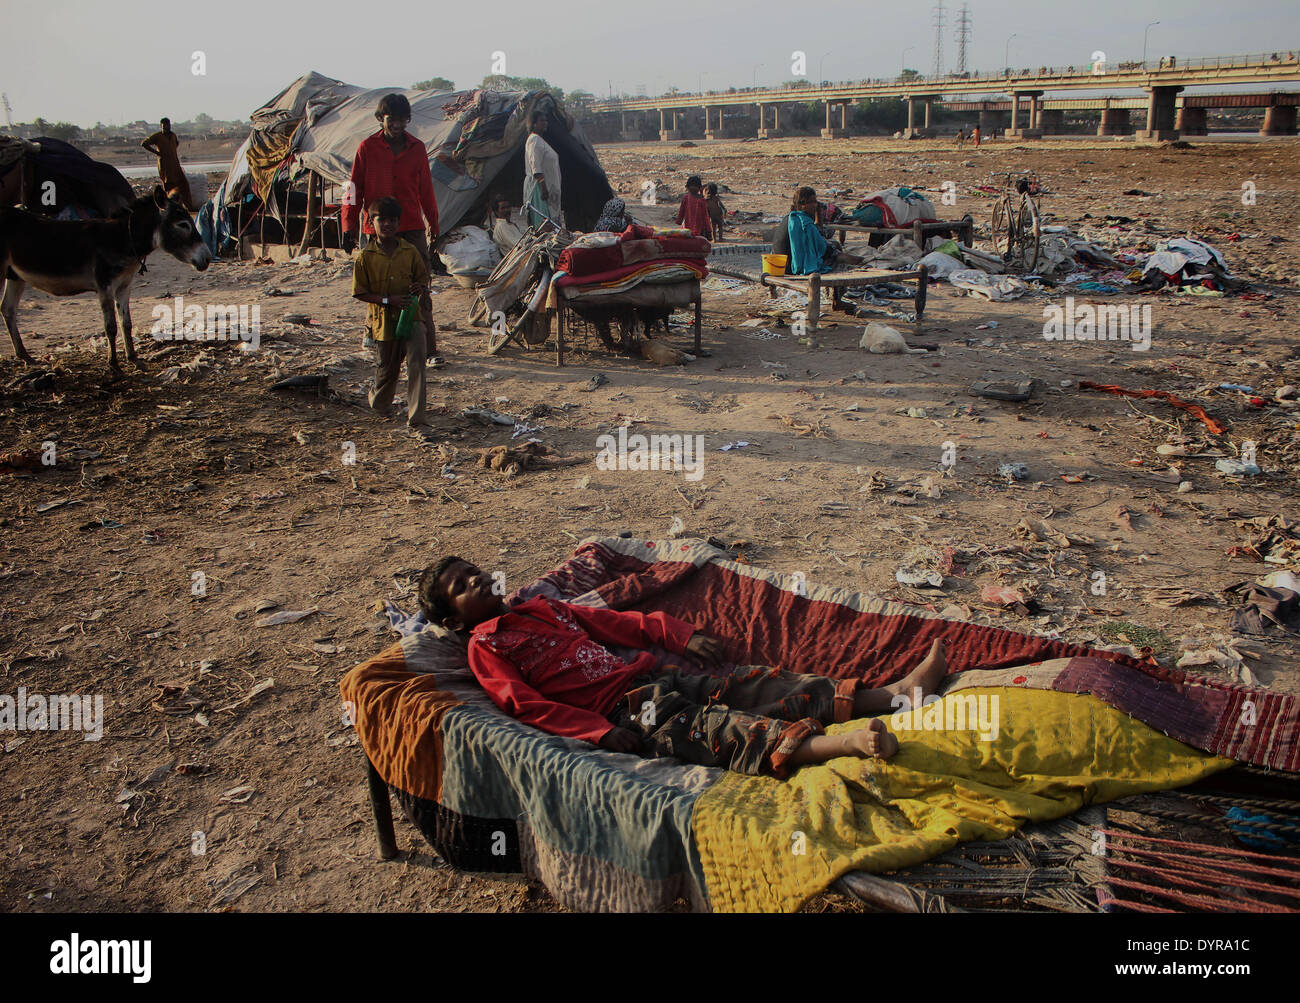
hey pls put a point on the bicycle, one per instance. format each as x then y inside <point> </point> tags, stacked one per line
<point>1017,223</point>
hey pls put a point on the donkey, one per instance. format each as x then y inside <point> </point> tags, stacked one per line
<point>103,255</point>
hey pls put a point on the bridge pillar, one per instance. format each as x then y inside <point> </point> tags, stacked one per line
<point>1161,114</point>
<point>667,135</point>
<point>913,131</point>
<point>708,125</point>
<point>1033,131</point>
<point>1114,122</point>
<point>831,132</point>
<point>1192,122</point>
<point>763,131</point>
<point>1052,121</point>
<point>1279,120</point>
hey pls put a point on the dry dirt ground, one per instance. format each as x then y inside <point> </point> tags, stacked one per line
<point>168,474</point>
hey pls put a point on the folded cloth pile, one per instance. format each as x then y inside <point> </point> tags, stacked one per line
<point>598,258</point>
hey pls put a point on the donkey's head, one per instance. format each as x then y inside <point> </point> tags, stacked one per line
<point>176,233</point>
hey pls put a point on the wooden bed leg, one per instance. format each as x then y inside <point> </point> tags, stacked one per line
<point>699,317</point>
<point>918,234</point>
<point>382,809</point>
<point>968,230</point>
<point>559,334</point>
<point>814,302</point>
<point>922,278</point>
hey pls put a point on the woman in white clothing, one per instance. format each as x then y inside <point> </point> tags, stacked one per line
<point>541,174</point>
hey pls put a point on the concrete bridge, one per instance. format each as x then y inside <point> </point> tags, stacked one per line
<point>1166,113</point>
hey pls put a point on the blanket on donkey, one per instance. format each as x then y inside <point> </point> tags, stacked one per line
<point>614,832</point>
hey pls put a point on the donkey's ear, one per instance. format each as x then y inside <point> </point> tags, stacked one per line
<point>159,197</point>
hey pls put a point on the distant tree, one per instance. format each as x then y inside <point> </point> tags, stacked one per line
<point>908,75</point>
<point>433,84</point>
<point>791,84</point>
<point>65,131</point>
<point>202,121</point>
<point>501,82</point>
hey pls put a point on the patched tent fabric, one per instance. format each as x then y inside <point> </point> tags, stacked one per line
<point>475,140</point>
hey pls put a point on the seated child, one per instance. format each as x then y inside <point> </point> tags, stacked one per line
<point>542,662</point>
<point>717,211</point>
<point>693,212</point>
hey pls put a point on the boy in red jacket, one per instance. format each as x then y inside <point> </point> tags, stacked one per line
<point>392,162</point>
<point>541,661</point>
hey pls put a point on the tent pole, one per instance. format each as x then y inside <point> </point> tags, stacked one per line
<point>313,185</point>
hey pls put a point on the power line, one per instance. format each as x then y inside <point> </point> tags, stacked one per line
<point>963,37</point>
<point>937,11</point>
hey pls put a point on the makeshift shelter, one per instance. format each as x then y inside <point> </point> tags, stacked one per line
<point>310,131</point>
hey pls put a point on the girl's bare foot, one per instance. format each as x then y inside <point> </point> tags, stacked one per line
<point>926,677</point>
<point>873,741</point>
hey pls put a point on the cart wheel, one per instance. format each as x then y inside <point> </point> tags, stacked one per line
<point>497,341</point>
<point>1030,232</point>
<point>1003,229</point>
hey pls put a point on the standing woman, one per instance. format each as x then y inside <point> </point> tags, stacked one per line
<point>393,163</point>
<point>541,173</point>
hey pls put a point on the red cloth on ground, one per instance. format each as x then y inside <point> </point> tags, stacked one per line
<point>541,663</point>
<point>693,213</point>
<point>377,172</point>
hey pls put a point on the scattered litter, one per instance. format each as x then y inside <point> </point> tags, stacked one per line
<point>1014,471</point>
<point>486,417</point>
<point>286,616</point>
<point>919,577</point>
<point>732,445</point>
<point>1005,391</point>
<point>599,380</point>
<point>531,455</point>
<point>1236,468</point>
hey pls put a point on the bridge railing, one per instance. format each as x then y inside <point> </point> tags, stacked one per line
<point>1152,65</point>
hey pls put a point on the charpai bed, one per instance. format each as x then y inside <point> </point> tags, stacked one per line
<point>605,831</point>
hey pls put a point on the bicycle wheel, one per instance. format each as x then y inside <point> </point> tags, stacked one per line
<point>1029,233</point>
<point>1003,230</point>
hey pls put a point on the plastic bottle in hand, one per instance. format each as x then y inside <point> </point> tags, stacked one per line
<point>406,319</point>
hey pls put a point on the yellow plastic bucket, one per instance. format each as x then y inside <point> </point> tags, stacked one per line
<point>774,264</point>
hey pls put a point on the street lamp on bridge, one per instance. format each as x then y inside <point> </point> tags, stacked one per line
<point>1006,52</point>
<point>902,68</point>
<point>821,77</point>
<point>1144,42</point>
<point>756,69</point>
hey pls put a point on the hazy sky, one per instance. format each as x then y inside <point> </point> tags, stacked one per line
<point>89,60</point>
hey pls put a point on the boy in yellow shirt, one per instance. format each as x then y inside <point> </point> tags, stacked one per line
<point>388,273</point>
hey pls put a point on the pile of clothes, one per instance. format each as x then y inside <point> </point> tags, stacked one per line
<point>894,208</point>
<point>616,262</point>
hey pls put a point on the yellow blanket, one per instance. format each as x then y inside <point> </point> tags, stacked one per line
<point>768,845</point>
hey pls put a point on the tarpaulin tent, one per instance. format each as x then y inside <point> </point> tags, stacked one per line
<point>475,140</point>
